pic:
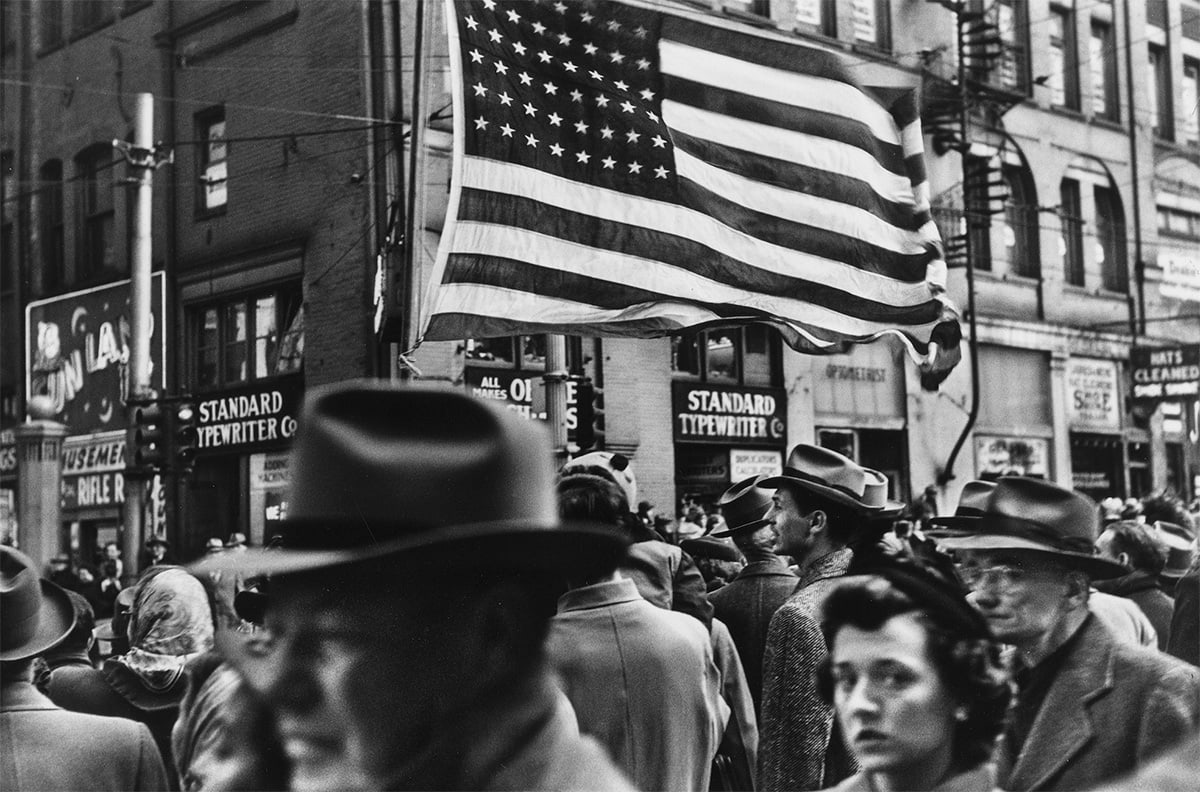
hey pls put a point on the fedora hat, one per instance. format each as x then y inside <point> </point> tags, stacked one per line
<point>744,506</point>
<point>1040,516</point>
<point>382,469</point>
<point>35,614</point>
<point>1181,548</point>
<point>971,504</point>
<point>835,478</point>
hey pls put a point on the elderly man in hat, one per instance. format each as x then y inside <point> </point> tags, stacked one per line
<point>41,745</point>
<point>1089,706</point>
<point>822,503</point>
<point>417,572</point>
<point>747,603</point>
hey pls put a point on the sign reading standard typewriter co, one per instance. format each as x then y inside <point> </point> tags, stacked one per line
<point>729,415</point>
<point>251,418</point>
<point>1168,374</point>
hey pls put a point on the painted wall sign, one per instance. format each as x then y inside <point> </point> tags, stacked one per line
<point>729,415</point>
<point>1165,374</point>
<point>1180,275</point>
<point>262,414</point>
<point>521,391</point>
<point>1092,399</point>
<point>78,352</point>
<point>93,471</point>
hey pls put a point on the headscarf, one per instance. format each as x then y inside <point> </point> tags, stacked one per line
<point>170,623</point>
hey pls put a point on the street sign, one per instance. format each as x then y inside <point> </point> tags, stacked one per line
<point>1165,374</point>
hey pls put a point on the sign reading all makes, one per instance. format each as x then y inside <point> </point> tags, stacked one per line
<point>729,415</point>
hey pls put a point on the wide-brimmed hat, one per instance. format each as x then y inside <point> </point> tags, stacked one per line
<point>1040,516</point>
<point>967,514</point>
<point>236,539</point>
<point>744,506</point>
<point>1181,548</point>
<point>835,478</point>
<point>214,545</point>
<point>157,540</point>
<point>35,614</point>
<point>403,471</point>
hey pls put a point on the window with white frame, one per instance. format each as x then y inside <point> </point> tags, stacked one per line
<point>1063,79</point>
<point>1191,101</point>
<point>247,337</point>
<point>213,163</point>
<point>1103,68</point>
<point>1158,94</point>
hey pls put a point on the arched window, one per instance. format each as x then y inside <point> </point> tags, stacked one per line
<point>1021,223</point>
<point>1110,239</point>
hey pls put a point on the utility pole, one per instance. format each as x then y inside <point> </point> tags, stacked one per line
<point>143,158</point>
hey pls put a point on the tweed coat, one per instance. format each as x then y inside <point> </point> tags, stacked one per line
<point>746,605</point>
<point>1110,708</point>
<point>643,682</point>
<point>44,747</point>
<point>798,747</point>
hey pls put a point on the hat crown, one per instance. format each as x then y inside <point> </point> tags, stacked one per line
<point>744,504</point>
<point>373,462</point>
<point>972,502</point>
<point>828,469</point>
<point>20,598</point>
<point>1044,512</point>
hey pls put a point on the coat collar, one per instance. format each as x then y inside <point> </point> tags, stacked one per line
<point>1063,725</point>
<point>598,595</point>
<point>768,566</point>
<point>830,565</point>
<point>16,696</point>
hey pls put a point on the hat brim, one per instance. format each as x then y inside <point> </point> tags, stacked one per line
<point>55,621</point>
<point>753,525</point>
<point>829,493</point>
<point>956,521</point>
<point>576,548</point>
<point>1098,567</point>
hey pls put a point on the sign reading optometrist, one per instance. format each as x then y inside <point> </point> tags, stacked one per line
<point>1165,374</point>
<point>254,417</point>
<point>729,415</point>
<point>78,352</point>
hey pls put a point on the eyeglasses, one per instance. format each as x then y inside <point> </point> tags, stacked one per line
<point>1004,576</point>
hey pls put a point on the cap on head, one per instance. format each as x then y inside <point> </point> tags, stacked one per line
<point>616,465</point>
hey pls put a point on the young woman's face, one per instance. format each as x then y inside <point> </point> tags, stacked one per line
<point>896,714</point>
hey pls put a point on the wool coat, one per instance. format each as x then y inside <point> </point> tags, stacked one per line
<point>737,755</point>
<point>746,605</point>
<point>1141,588</point>
<point>643,681</point>
<point>1110,708</point>
<point>667,577</point>
<point>799,748</point>
<point>44,747</point>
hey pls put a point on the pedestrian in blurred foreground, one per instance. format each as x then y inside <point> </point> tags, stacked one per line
<point>417,572</point>
<point>914,675</point>
<point>643,680</point>
<point>1136,547</point>
<point>1089,707</point>
<point>43,747</point>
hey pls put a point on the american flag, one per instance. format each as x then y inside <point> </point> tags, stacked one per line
<point>620,170</point>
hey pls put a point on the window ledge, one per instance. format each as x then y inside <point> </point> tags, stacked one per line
<point>1107,123</point>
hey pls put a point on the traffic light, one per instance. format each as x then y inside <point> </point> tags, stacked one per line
<point>146,439</point>
<point>185,435</point>
<point>589,415</point>
<point>585,430</point>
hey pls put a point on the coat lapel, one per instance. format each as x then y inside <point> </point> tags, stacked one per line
<point>1063,725</point>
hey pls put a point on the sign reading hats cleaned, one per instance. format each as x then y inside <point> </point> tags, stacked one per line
<point>1165,374</point>
<point>723,414</point>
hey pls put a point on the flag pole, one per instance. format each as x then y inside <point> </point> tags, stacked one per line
<point>555,380</point>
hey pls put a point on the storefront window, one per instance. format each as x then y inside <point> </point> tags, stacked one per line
<point>722,350</point>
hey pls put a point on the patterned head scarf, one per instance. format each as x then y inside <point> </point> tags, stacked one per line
<point>170,623</point>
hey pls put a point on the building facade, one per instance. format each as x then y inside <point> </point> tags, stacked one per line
<point>279,230</point>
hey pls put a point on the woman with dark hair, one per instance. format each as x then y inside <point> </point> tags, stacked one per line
<point>914,675</point>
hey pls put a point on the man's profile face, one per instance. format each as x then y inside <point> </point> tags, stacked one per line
<point>1023,596</point>
<point>793,528</point>
<point>360,678</point>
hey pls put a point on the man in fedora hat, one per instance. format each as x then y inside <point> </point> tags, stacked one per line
<point>823,501</point>
<point>1089,707</point>
<point>41,745</point>
<point>415,577</point>
<point>747,603</point>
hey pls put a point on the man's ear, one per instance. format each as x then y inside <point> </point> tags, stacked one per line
<point>1123,560</point>
<point>818,521</point>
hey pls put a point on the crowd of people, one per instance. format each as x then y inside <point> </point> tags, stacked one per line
<point>442,609</point>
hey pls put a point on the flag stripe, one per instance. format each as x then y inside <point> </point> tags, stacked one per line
<point>695,268</point>
<point>809,127</point>
<point>787,88</point>
<point>800,250</point>
<point>754,164</point>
